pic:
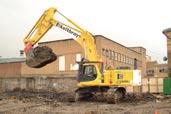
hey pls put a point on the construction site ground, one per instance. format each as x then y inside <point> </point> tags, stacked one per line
<point>63,103</point>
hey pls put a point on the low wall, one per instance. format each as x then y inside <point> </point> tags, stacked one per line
<point>69,84</point>
<point>148,84</point>
<point>43,83</point>
<point>152,84</point>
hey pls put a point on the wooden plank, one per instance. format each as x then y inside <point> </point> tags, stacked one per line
<point>145,89</point>
<point>160,81</point>
<point>129,89</point>
<point>153,89</point>
<point>160,88</point>
<point>144,81</point>
<point>153,81</point>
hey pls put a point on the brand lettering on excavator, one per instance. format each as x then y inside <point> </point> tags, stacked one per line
<point>67,30</point>
<point>123,81</point>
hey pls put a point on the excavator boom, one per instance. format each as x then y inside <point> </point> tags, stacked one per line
<point>40,56</point>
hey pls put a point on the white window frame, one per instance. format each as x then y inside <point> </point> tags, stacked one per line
<point>75,66</point>
<point>61,63</point>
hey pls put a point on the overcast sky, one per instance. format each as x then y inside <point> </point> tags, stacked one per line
<point>129,22</point>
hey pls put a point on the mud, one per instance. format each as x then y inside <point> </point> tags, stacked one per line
<point>62,103</point>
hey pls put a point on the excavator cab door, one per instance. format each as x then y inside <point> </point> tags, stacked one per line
<point>87,73</point>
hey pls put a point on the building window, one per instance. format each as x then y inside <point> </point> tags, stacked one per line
<point>132,61</point>
<point>110,54</point>
<point>107,53</point>
<point>139,63</point>
<point>75,65</point>
<point>124,58</point>
<point>163,70</point>
<point>61,63</point>
<point>150,72</point>
<point>116,56</point>
<point>129,60</point>
<point>103,52</point>
<point>119,57</point>
<point>78,57</point>
<point>113,55</point>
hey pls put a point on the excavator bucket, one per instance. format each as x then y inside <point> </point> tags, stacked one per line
<point>40,56</point>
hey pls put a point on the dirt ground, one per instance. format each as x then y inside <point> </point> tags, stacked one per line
<point>62,103</point>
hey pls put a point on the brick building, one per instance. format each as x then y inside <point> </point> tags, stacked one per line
<point>10,67</point>
<point>167,33</point>
<point>60,75</point>
<point>156,70</point>
<point>69,51</point>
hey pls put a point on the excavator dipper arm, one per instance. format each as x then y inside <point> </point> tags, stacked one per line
<point>40,56</point>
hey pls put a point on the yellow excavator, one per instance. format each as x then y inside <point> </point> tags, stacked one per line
<point>92,77</point>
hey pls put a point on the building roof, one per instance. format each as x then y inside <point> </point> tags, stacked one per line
<point>117,43</point>
<point>94,36</point>
<point>137,47</point>
<point>167,30</point>
<point>11,60</point>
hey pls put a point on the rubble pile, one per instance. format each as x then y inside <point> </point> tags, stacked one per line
<point>40,56</point>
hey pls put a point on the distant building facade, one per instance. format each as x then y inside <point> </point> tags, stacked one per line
<point>69,51</point>
<point>167,33</point>
<point>156,70</point>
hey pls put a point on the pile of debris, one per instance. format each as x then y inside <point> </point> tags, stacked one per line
<point>139,98</point>
<point>41,96</point>
<point>51,97</point>
<point>40,56</point>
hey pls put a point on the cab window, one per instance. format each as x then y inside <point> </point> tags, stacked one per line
<point>89,73</point>
<point>89,70</point>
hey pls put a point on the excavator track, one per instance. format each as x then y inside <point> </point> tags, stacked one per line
<point>114,96</point>
<point>40,56</point>
<point>110,95</point>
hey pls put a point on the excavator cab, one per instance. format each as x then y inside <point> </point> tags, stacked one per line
<point>88,71</point>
